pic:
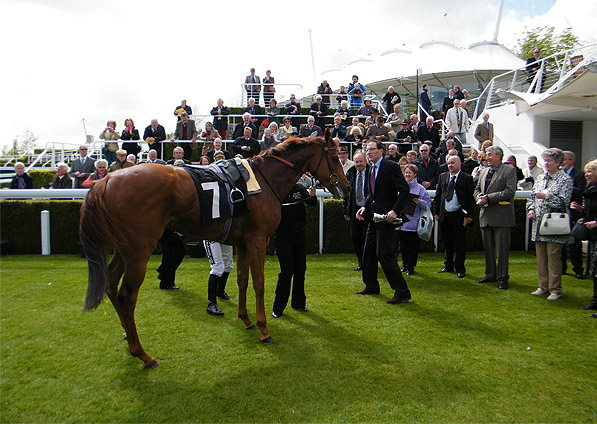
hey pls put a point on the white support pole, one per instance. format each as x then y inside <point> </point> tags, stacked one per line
<point>320,225</point>
<point>45,233</point>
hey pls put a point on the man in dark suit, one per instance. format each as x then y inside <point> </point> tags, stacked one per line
<point>453,209</point>
<point>293,109</point>
<point>154,134</point>
<point>254,109</point>
<point>387,193</point>
<point>319,110</point>
<point>378,131</point>
<point>218,148</point>
<point>494,195</point>
<point>425,101</point>
<point>186,130</point>
<point>338,130</point>
<point>82,167</point>
<point>239,130</point>
<point>533,65</point>
<point>358,178</point>
<point>178,153</point>
<point>153,158</point>
<point>448,144</point>
<point>246,146</point>
<point>310,129</point>
<point>220,113</point>
<point>182,108</point>
<point>579,183</point>
<point>448,102</point>
<point>428,168</point>
<point>428,132</point>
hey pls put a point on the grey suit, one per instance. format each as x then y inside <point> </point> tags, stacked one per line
<point>496,218</point>
<point>86,169</point>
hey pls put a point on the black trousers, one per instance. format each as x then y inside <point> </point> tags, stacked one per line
<point>291,250</point>
<point>357,234</point>
<point>454,237</point>
<point>173,251</point>
<point>574,251</point>
<point>379,246</point>
<point>409,245</point>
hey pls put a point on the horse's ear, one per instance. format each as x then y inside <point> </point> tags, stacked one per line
<point>328,135</point>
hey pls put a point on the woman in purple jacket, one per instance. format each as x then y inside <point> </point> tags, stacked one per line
<point>418,201</point>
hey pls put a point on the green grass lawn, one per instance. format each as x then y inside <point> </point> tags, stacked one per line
<point>458,352</point>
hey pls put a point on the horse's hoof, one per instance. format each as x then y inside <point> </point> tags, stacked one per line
<point>152,364</point>
<point>268,340</point>
<point>251,327</point>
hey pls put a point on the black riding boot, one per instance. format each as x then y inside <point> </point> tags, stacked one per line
<point>593,304</point>
<point>222,285</point>
<point>212,288</point>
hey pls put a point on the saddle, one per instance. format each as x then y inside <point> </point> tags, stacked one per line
<point>230,198</point>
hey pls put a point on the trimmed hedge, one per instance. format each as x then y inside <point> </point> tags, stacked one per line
<point>20,225</point>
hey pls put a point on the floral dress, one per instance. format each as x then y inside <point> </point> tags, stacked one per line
<point>559,190</point>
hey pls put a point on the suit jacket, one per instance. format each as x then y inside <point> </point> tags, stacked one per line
<point>211,154</point>
<point>160,134</point>
<point>349,206</point>
<point>339,132</point>
<point>447,104</point>
<point>391,189</point>
<point>429,173</point>
<point>499,211</point>
<point>482,133</point>
<point>323,108</point>
<point>191,130</point>
<point>425,102</point>
<point>88,168</point>
<point>306,132</point>
<point>220,122</point>
<point>579,183</point>
<point>424,134</point>
<point>253,88</point>
<point>374,131</point>
<point>533,62</point>
<point>251,142</point>
<point>240,129</point>
<point>463,189</point>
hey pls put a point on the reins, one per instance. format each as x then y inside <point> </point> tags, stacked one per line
<point>333,178</point>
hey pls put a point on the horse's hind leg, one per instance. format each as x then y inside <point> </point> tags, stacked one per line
<point>115,271</point>
<point>127,298</point>
<point>242,278</point>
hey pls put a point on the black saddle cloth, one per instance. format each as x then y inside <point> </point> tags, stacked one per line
<point>221,189</point>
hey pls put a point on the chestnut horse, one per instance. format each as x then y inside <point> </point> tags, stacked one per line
<point>128,210</point>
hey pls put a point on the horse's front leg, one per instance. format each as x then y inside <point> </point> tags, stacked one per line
<point>242,279</point>
<point>258,274</point>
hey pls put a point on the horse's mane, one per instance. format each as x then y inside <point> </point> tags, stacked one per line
<point>289,145</point>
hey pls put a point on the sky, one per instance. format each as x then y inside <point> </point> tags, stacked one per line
<point>69,62</point>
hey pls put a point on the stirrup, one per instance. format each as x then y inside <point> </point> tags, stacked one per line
<point>236,196</point>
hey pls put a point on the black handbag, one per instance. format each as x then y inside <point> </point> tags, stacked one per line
<point>580,231</point>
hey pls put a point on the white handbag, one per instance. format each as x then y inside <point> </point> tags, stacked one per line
<point>425,225</point>
<point>555,224</point>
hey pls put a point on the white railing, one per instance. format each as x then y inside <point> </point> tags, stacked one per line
<point>42,194</point>
<point>555,72</point>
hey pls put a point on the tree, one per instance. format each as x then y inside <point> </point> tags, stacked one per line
<point>22,145</point>
<point>543,37</point>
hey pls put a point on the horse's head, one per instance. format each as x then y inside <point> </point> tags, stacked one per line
<point>327,168</point>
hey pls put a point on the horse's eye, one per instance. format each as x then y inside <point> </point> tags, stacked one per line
<point>335,159</point>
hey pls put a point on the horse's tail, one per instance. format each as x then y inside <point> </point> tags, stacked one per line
<point>95,234</point>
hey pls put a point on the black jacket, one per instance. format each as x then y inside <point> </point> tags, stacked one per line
<point>220,122</point>
<point>464,189</point>
<point>160,133</point>
<point>26,178</point>
<point>391,190</point>
<point>424,134</point>
<point>429,173</point>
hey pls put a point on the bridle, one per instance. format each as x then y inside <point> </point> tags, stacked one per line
<point>333,179</point>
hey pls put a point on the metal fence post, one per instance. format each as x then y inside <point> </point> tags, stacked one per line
<point>45,233</point>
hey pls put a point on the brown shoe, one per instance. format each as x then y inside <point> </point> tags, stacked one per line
<point>365,291</point>
<point>397,300</point>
